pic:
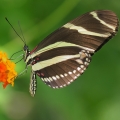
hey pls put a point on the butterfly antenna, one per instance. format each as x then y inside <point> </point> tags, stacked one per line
<point>21,31</point>
<point>15,30</point>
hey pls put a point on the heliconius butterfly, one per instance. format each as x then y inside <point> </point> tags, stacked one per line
<point>65,54</point>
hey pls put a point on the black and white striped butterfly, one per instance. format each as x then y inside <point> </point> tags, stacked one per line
<point>66,53</point>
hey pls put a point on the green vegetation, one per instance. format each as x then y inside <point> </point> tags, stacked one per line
<point>93,96</point>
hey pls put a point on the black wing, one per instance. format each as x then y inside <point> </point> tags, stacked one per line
<point>66,53</point>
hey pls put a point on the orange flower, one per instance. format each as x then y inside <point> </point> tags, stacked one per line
<point>7,72</point>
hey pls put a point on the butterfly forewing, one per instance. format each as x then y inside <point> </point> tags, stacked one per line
<point>66,53</point>
<point>91,30</point>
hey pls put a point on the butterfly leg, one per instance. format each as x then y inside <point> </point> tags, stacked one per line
<point>33,84</point>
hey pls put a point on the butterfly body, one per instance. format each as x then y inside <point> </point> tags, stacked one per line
<point>66,53</point>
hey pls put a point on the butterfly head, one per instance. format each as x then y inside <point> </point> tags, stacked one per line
<point>25,48</point>
<point>27,53</point>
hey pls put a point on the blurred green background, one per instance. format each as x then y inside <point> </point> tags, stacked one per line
<point>93,96</point>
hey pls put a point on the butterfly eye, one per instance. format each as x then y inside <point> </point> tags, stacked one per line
<point>25,48</point>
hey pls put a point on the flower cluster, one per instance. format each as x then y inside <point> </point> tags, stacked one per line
<point>7,72</point>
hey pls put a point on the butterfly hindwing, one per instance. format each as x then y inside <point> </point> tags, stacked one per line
<point>66,68</point>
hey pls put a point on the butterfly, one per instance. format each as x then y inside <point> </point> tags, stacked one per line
<point>65,54</point>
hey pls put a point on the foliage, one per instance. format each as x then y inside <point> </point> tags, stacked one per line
<point>93,96</point>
